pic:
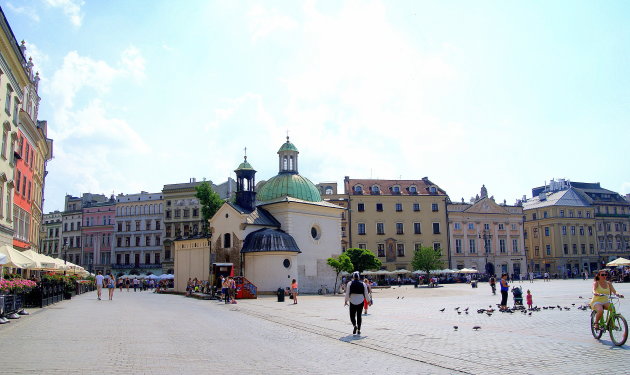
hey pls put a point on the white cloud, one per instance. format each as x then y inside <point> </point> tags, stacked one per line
<point>263,21</point>
<point>27,11</point>
<point>91,145</point>
<point>71,8</point>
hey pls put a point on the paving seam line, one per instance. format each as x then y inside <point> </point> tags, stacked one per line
<point>464,366</point>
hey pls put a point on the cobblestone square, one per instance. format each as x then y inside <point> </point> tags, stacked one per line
<point>405,331</point>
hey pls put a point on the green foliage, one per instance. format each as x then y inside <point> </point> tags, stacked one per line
<point>427,259</point>
<point>210,203</point>
<point>363,259</point>
<point>342,263</point>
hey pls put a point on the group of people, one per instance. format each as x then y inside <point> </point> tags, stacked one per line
<point>107,282</point>
<point>228,289</point>
<point>196,286</point>
<point>359,297</point>
<point>136,284</point>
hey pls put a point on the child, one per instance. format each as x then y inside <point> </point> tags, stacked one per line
<point>529,299</point>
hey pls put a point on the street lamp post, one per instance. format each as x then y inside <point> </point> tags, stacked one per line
<point>486,237</point>
<point>65,255</point>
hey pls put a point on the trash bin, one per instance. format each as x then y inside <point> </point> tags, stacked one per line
<point>280,295</point>
<point>473,283</point>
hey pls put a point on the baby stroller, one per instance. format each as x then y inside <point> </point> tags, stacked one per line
<point>517,292</point>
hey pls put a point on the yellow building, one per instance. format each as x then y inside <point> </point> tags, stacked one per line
<point>560,233</point>
<point>393,218</point>
<point>487,236</point>
<point>329,193</point>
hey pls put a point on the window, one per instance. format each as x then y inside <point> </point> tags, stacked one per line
<point>376,190</point>
<point>488,245</point>
<point>583,248</point>
<point>157,258</point>
<point>457,226</point>
<point>399,228</point>
<point>137,240</point>
<point>7,104</point>
<point>396,189</point>
<point>573,230</point>
<point>544,214</point>
<point>186,212</point>
<point>361,228</point>
<point>486,226</point>
<point>502,248</point>
<point>157,225</point>
<point>413,189</point>
<point>227,240</point>
<point>416,228</point>
<point>536,251</point>
<point>3,151</point>
<point>591,249</point>
<point>168,213</point>
<point>501,227</point>
<point>379,207</point>
<point>471,226</point>
<point>18,180</point>
<point>147,240</point>
<point>416,207</point>
<point>579,213</point>
<point>570,213</point>
<point>436,228</point>
<point>458,246</point>
<point>380,229</point>
<point>362,246</point>
<point>195,212</point>
<point>581,231</point>
<point>437,247</point>
<point>546,231</point>
<point>588,214</point>
<point>360,207</point>
<point>381,250</point>
<point>128,226</point>
<point>137,225</point>
<point>398,207</point>
<point>472,244</point>
<point>534,216</point>
<point>515,245</point>
<point>564,230</point>
<point>178,212</point>
<point>400,249</point>
<point>434,207</point>
<point>358,189</point>
<point>561,213</point>
<point>433,189</point>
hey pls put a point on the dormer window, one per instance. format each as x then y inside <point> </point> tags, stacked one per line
<point>396,189</point>
<point>413,190</point>
<point>358,189</point>
<point>376,189</point>
<point>433,189</point>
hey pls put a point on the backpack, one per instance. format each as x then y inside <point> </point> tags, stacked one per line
<point>357,287</point>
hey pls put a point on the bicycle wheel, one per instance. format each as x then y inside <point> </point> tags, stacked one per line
<point>597,333</point>
<point>618,330</point>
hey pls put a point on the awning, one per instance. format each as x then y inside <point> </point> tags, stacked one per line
<point>619,262</point>
<point>15,258</point>
<point>42,262</point>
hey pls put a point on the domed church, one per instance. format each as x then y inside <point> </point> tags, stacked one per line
<point>283,231</point>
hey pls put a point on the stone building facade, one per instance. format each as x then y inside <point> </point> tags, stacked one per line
<point>487,236</point>
<point>393,218</point>
<point>50,237</point>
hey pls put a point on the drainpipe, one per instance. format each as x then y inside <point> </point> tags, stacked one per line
<point>448,232</point>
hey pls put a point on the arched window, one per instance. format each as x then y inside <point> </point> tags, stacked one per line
<point>284,163</point>
<point>329,190</point>
<point>375,189</point>
<point>291,163</point>
<point>227,240</point>
<point>358,189</point>
<point>412,189</point>
<point>151,209</point>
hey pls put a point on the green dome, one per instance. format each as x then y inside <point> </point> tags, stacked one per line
<point>245,166</point>
<point>287,146</point>
<point>289,184</point>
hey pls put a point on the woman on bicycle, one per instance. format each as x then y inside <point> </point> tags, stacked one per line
<point>602,289</point>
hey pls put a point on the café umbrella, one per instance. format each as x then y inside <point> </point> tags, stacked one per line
<point>619,262</point>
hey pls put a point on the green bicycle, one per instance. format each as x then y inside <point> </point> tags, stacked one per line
<point>613,322</point>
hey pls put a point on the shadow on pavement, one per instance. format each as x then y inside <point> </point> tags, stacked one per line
<point>351,338</point>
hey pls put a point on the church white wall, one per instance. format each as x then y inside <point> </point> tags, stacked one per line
<point>297,219</point>
<point>267,271</point>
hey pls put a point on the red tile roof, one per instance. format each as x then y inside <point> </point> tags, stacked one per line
<point>386,187</point>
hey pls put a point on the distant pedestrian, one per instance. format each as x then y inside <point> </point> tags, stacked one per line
<point>493,285</point>
<point>99,284</point>
<point>127,282</point>
<point>136,283</point>
<point>224,289</point>
<point>367,301</point>
<point>294,290</point>
<point>530,300</point>
<point>546,276</point>
<point>504,292</point>
<point>356,293</point>
<point>111,285</point>
<point>120,284</point>
<point>531,277</point>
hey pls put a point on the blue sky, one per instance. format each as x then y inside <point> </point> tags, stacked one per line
<point>509,94</point>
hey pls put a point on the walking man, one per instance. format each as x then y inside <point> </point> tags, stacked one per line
<point>356,293</point>
<point>99,284</point>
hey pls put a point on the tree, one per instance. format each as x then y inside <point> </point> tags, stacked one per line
<point>340,264</point>
<point>427,259</point>
<point>210,203</point>
<point>363,259</point>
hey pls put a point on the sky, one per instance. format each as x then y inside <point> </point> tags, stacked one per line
<point>138,93</point>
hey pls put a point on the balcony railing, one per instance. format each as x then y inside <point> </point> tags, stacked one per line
<point>138,266</point>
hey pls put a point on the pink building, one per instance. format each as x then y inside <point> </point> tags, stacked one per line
<point>97,232</point>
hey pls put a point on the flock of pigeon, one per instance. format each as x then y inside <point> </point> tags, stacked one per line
<point>519,308</point>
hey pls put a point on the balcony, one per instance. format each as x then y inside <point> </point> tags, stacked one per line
<point>625,216</point>
<point>137,266</point>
